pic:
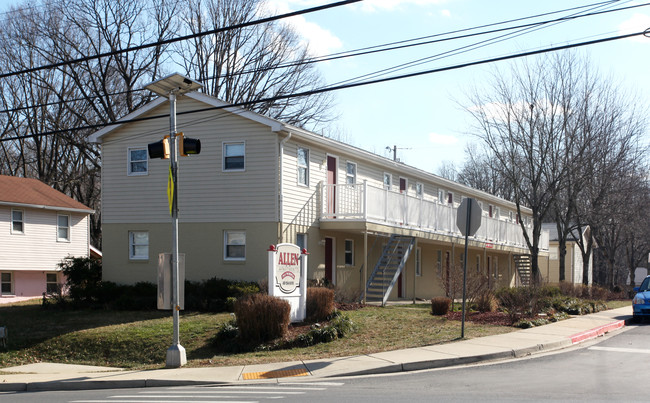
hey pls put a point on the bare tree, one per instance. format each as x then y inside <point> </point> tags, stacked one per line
<point>522,123</point>
<point>250,64</point>
<point>480,171</point>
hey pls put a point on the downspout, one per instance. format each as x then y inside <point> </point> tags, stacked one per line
<point>281,188</point>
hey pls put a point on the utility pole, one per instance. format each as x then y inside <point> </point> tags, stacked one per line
<point>171,87</point>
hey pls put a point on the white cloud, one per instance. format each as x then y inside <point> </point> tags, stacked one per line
<point>319,40</point>
<point>442,139</point>
<point>637,23</point>
<point>445,13</point>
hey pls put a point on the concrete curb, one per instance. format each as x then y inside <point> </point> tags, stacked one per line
<point>599,331</point>
<point>388,366</point>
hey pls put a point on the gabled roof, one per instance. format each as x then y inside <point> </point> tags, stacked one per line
<point>25,192</point>
<point>216,103</point>
<point>573,235</point>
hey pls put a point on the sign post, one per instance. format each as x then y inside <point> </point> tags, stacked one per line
<point>288,277</point>
<point>468,221</point>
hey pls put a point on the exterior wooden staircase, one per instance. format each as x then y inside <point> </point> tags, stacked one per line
<point>388,268</point>
<point>523,264</point>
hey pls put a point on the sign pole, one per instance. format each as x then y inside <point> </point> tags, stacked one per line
<point>469,214</point>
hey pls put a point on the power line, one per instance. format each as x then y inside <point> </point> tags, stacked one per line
<point>383,48</point>
<point>181,38</point>
<point>347,86</point>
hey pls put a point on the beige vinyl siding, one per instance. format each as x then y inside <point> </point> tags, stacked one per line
<point>37,248</point>
<point>202,244</point>
<point>206,193</point>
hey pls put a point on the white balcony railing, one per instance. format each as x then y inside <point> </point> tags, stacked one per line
<point>362,202</point>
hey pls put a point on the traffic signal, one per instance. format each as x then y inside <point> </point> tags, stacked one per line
<point>159,149</point>
<point>188,146</point>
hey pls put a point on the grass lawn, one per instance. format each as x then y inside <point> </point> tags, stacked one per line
<point>139,339</point>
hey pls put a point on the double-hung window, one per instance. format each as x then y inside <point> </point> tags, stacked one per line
<point>351,173</point>
<point>234,156</point>
<point>349,252</point>
<point>138,161</point>
<point>138,245</point>
<point>303,166</point>
<point>51,283</point>
<point>6,283</point>
<point>388,181</point>
<point>17,222</point>
<point>235,245</point>
<point>63,228</point>
<point>419,190</point>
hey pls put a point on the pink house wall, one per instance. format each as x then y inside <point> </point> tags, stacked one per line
<point>31,283</point>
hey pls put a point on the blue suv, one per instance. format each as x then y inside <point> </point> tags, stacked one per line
<point>641,301</point>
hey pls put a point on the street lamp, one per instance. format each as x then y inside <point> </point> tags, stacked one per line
<point>171,87</point>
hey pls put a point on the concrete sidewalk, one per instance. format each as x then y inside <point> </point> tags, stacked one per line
<point>44,376</point>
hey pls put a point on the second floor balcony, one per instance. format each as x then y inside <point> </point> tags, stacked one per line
<point>366,203</point>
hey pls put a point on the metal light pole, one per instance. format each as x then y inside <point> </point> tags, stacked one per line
<point>171,87</point>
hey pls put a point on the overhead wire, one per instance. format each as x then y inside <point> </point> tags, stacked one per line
<point>526,28</point>
<point>390,47</point>
<point>181,38</point>
<point>351,85</point>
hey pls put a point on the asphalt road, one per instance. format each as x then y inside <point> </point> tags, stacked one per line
<point>613,368</point>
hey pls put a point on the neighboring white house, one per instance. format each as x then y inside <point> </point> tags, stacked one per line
<point>573,261</point>
<point>259,182</point>
<point>39,227</point>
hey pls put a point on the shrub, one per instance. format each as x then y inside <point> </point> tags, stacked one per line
<point>340,325</point>
<point>216,294</point>
<point>487,302</point>
<point>440,305</point>
<point>262,317</point>
<point>320,303</point>
<point>84,276</point>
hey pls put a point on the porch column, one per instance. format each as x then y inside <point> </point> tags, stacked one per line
<point>365,263</point>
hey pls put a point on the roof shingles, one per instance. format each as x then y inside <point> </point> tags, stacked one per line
<point>27,191</point>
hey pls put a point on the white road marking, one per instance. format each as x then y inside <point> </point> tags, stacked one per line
<point>621,350</point>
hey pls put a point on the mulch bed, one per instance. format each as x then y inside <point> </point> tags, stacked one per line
<point>484,318</point>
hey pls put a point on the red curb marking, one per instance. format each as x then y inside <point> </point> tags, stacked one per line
<point>599,331</point>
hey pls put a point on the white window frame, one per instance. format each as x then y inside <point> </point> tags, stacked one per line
<point>48,283</point>
<point>450,195</point>
<point>68,228</point>
<point>441,196</point>
<point>350,178</point>
<point>130,162</point>
<point>388,184</point>
<point>21,221</point>
<point>418,262</point>
<point>226,257</point>
<point>10,282</point>
<point>302,167</point>
<point>419,190</point>
<point>224,147</point>
<point>348,252</point>
<point>132,245</point>
<point>497,213</point>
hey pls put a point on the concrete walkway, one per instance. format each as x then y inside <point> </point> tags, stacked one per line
<point>44,376</point>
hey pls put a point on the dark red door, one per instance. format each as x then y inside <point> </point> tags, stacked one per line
<point>331,188</point>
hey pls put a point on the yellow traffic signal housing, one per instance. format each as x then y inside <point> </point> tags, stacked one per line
<point>159,149</point>
<point>188,146</point>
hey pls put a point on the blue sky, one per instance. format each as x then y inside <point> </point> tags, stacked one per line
<point>422,115</point>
